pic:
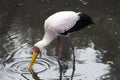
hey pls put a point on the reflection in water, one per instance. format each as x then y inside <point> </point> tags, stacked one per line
<point>63,68</point>
<point>91,67</point>
<point>34,75</point>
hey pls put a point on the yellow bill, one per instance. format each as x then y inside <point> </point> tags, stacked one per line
<point>34,56</point>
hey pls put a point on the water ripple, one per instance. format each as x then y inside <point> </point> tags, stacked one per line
<point>21,66</point>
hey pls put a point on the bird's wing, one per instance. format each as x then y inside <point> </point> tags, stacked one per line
<point>62,21</point>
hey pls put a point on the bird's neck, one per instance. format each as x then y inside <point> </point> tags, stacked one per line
<point>47,39</point>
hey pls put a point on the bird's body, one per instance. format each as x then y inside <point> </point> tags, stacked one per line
<point>62,21</point>
<point>61,24</point>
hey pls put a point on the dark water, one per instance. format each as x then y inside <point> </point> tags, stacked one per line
<point>97,48</point>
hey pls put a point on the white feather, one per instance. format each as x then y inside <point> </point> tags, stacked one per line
<point>61,21</point>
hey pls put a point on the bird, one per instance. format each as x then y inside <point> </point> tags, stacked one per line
<point>60,24</point>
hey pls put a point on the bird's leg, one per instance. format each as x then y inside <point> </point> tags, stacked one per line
<point>34,75</point>
<point>72,46</point>
<point>59,56</point>
<point>24,76</point>
<point>59,48</point>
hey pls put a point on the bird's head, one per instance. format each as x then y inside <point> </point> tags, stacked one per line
<point>85,19</point>
<point>36,51</point>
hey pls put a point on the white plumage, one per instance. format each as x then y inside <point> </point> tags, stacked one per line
<point>62,21</point>
<point>56,24</point>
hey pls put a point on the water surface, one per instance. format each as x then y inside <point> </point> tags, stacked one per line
<point>97,47</point>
